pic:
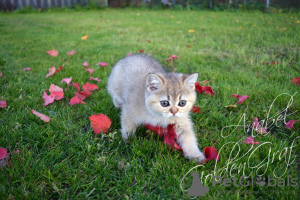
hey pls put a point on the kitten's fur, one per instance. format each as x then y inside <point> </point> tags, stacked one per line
<point>138,84</point>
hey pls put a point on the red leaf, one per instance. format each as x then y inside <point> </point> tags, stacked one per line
<point>172,57</point>
<point>77,86</point>
<point>141,51</point>
<point>256,126</point>
<point>157,129</point>
<point>58,70</point>
<point>170,137</point>
<point>40,115</point>
<point>48,99</point>
<point>130,54</point>
<point>52,53</point>
<point>195,109</point>
<point>56,92</point>
<point>100,123</point>
<point>202,89</point>
<point>89,87</point>
<point>168,133</point>
<point>67,80</point>
<point>76,100</point>
<point>85,64</point>
<point>250,140</point>
<point>296,81</point>
<point>290,123</point>
<point>52,71</point>
<point>95,79</point>
<point>27,69</point>
<point>211,153</point>
<point>71,53</point>
<point>103,64</point>
<point>1,75</point>
<point>241,98</point>
<point>3,153</point>
<point>80,96</point>
<point>3,104</point>
<point>89,70</point>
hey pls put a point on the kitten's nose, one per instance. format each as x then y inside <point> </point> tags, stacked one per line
<point>174,110</point>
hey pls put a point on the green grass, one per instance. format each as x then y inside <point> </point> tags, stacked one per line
<point>64,159</point>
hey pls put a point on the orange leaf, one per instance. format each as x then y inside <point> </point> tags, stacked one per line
<point>84,37</point>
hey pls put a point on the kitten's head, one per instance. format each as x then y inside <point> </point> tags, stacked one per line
<point>170,95</point>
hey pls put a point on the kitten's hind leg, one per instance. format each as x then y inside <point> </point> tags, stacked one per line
<point>128,126</point>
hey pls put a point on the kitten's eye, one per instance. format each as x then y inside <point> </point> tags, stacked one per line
<point>182,103</point>
<point>164,103</point>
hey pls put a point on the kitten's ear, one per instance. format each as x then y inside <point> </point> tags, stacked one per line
<point>153,82</point>
<point>191,80</point>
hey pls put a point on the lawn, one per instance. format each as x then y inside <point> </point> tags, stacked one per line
<point>64,159</point>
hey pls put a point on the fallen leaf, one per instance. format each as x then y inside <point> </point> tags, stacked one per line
<point>89,70</point>
<point>241,98</point>
<point>40,115</point>
<point>71,53</point>
<point>95,79</point>
<point>191,31</point>
<point>85,64</point>
<point>48,99</point>
<point>67,80</point>
<point>60,68</point>
<point>130,54</point>
<point>257,127</point>
<point>103,64</point>
<point>3,153</point>
<point>27,69</point>
<point>290,123</point>
<point>3,104</point>
<point>52,53</point>
<point>76,100</point>
<point>195,109</point>
<point>89,87</point>
<point>172,57</point>
<point>272,63</point>
<point>1,75</point>
<point>230,106</point>
<point>82,95</point>
<point>77,86</point>
<point>211,153</point>
<point>188,46</point>
<point>100,123</point>
<point>296,81</point>
<point>168,133</point>
<point>141,51</point>
<point>56,92</point>
<point>250,140</point>
<point>207,89</point>
<point>84,37</point>
<point>148,41</point>
<point>52,71</point>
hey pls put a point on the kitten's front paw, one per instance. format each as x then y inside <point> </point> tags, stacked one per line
<point>199,158</point>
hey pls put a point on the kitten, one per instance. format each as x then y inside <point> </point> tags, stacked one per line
<point>147,94</point>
